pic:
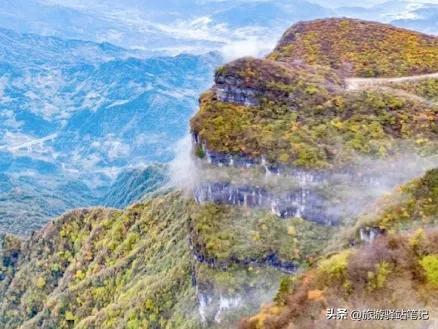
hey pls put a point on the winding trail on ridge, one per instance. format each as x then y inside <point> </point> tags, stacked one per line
<point>363,83</point>
<point>384,84</point>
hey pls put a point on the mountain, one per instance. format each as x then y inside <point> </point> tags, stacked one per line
<point>75,114</point>
<point>101,268</point>
<point>271,14</point>
<point>138,261</point>
<point>344,43</point>
<point>28,200</point>
<point>382,11</point>
<point>195,26</point>
<point>133,185</point>
<point>25,50</point>
<point>67,21</point>
<point>296,106</point>
<point>144,270</point>
<point>416,15</point>
<point>306,186</point>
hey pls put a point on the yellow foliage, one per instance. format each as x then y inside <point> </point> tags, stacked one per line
<point>315,295</point>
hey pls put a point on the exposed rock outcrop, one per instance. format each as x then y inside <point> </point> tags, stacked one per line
<point>231,90</point>
<point>301,202</point>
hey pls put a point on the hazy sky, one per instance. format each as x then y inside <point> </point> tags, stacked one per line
<point>325,3</point>
<point>184,25</point>
<point>360,3</point>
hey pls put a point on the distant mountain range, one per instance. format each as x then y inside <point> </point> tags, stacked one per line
<point>157,26</point>
<point>133,185</point>
<point>75,114</point>
<point>197,26</point>
<point>414,15</point>
<point>314,184</point>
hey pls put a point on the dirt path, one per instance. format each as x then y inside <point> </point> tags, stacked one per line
<point>354,84</point>
<point>363,83</point>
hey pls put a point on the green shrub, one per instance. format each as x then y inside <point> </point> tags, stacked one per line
<point>377,279</point>
<point>430,267</point>
<point>334,269</point>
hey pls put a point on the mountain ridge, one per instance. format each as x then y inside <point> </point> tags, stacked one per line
<point>218,130</point>
<point>392,51</point>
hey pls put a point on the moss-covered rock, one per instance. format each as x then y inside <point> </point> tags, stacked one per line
<point>332,133</point>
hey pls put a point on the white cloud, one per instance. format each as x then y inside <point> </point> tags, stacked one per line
<point>9,119</point>
<point>251,46</point>
<point>183,170</point>
<point>116,149</point>
<point>3,83</point>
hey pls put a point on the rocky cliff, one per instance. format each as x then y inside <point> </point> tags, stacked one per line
<point>288,110</point>
<point>298,113</point>
<point>395,266</point>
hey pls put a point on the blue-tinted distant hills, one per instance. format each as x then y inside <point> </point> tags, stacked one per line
<point>30,49</point>
<point>158,26</point>
<point>128,24</point>
<point>74,115</point>
<point>275,14</point>
<point>132,185</point>
<point>95,93</point>
<point>29,200</point>
<point>195,26</point>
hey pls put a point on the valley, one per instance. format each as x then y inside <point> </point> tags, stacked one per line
<point>70,125</point>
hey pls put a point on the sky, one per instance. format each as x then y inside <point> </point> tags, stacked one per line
<point>362,3</point>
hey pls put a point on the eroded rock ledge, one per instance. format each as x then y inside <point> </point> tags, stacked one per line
<point>301,202</point>
<point>325,197</point>
<point>250,82</point>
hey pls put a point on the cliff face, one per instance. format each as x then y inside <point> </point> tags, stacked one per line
<point>169,262</point>
<point>303,202</point>
<point>166,262</point>
<point>303,116</point>
<point>248,81</point>
<point>397,268</point>
<point>298,111</point>
<point>331,144</point>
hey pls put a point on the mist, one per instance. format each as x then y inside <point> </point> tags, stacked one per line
<point>326,197</point>
<point>183,171</point>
